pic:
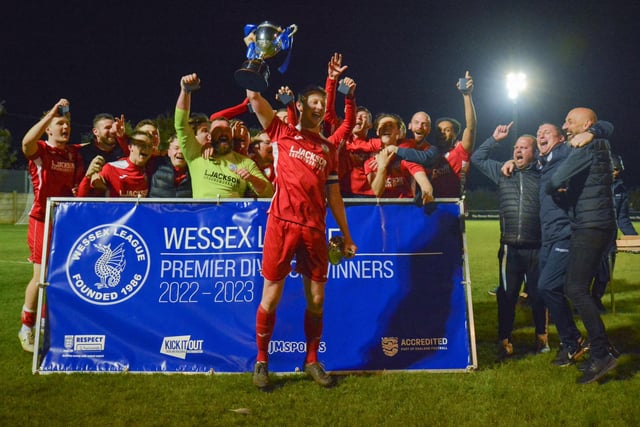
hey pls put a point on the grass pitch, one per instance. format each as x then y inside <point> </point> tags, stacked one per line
<point>526,390</point>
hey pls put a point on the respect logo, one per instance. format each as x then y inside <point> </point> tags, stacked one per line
<point>108,264</point>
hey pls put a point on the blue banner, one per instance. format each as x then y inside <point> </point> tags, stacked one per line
<point>174,287</point>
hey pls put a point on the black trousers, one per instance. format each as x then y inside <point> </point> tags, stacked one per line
<point>518,266</point>
<point>587,248</point>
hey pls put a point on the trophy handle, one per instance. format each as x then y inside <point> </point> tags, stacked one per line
<point>293,28</point>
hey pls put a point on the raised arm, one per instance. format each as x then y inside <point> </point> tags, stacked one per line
<point>481,157</point>
<point>469,133</point>
<point>186,137</point>
<point>188,83</point>
<point>262,108</point>
<point>334,71</point>
<point>231,112</point>
<point>344,130</point>
<point>30,139</point>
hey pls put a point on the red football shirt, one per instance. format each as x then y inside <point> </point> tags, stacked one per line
<point>446,177</point>
<point>124,179</point>
<point>399,177</point>
<point>304,162</point>
<point>55,172</point>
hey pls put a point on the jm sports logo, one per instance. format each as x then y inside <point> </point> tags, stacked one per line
<point>108,264</point>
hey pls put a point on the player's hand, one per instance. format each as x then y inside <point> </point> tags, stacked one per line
<point>119,126</point>
<point>335,67</point>
<point>350,248</point>
<point>208,152</point>
<point>242,173</point>
<point>284,90</point>
<point>351,84</point>
<point>190,83</point>
<point>95,166</point>
<point>427,194</point>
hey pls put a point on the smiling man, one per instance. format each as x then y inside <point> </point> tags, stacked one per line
<point>388,175</point>
<point>56,169</point>
<point>420,125</point>
<point>554,252</point>
<point>448,175</point>
<point>585,178</point>
<point>307,182</point>
<point>126,177</point>
<point>170,175</point>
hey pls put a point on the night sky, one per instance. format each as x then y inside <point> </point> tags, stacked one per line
<point>128,57</point>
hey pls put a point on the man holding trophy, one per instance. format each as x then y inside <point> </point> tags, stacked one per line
<point>307,180</point>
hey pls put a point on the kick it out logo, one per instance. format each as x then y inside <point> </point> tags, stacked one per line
<point>108,264</point>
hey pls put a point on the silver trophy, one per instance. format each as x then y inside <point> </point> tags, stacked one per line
<point>264,41</point>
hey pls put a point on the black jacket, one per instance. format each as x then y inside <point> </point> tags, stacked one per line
<point>519,198</point>
<point>163,181</point>
<point>587,177</point>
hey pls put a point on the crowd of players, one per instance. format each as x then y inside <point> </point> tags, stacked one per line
<point>307,158</point>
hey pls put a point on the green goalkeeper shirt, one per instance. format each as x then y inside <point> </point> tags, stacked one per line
<point>213,178</point>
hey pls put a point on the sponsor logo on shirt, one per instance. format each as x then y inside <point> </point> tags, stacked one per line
<point>308,157</point>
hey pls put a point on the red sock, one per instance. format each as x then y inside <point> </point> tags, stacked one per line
<point>28,318</point>
<point>265,322</point>
<point>313,332</point>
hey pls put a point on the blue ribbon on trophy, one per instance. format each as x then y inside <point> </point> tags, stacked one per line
<point>263,41</point>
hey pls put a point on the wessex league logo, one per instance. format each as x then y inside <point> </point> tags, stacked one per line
<point>108,264</point>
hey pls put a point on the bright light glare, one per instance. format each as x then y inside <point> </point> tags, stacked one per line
<point>516,83</point>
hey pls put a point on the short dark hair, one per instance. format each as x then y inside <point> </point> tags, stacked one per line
<point>197,120</point>
<point>555,126</point>
<point>102,116</point>
<point>309,90</point>
<point>395,117</point>
<point>134,138</point>
<point>146,122</point>
<point>366,110</point>
<point>456,124</point>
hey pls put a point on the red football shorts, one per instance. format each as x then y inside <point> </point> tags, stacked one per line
<point>284,240</point>
<point>35,239</point>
